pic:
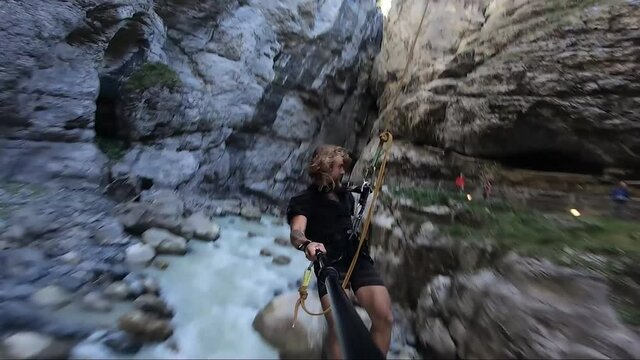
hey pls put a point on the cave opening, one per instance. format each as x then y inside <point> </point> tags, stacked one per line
<point>109,132</point>
<point>106,120</point>
<point>553,161</point>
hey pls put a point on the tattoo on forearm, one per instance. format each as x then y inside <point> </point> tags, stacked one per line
<point>297,237</point>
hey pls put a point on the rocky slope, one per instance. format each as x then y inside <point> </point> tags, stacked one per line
<point>230,94</point>
<point>545,85</point>
<point>468,299</point>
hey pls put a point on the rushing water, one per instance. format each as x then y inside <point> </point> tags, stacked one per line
<point>217,290</point>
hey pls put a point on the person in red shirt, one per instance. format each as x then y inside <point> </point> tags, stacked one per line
<point>460,182</point>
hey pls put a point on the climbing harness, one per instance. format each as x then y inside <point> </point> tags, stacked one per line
<point>385,142</point>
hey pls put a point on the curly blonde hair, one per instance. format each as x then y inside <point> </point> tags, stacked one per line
<point>322,160</point>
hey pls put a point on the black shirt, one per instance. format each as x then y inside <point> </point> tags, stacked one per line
<point>328,221</point>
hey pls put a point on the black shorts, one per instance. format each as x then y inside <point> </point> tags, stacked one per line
<point>364,274</point>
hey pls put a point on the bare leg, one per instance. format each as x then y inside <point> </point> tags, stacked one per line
<point>333,347</point>
<point>377,302</point>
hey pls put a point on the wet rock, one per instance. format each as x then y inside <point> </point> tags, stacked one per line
<point>74,281</point>
<point>121,342</point>
<point>165,242</point>
<point>528,307</point>
<point>250,212</point>
<point>165,167</point>
<point>118,290</point>
<point>145,326</point>
<point>274,322</point>
<point>153,304</point>
<point>139,217</point>
<point>281,260</point>
<point>72,258</point>
<point>94,301</point>
<point>51,296</point>
<point>200,226</point>
<point>33,345</point>
<point>265,252</point>
<point>150,285</point>
<point>160,264</point>
<point>136,288</point>
<point>282,241</point>
<point>111,233</point>
<point>434,333</point>
<point>140,254</point>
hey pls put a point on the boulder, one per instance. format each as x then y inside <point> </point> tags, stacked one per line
<point>281,260</point>
<point>118,290</point>
<point>250,212</point>
<point>145,326</point>
<point>524,308</point>
<point>305,340</point>
<point>94,301</point>
<point>33,345</point>
<point>200,226</point>
<point>51,296</point>
<point>140,254</point>
<point>165,242</point>
<point>265,252</point>
<point>153,304</point>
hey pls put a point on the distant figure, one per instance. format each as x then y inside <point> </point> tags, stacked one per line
<point>487,189</point>
<point>460,182</point>
<point>620,196</point>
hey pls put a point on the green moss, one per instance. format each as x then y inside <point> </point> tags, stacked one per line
<point>153,75</point>
<point>531,232</point>
<point>114,149</point>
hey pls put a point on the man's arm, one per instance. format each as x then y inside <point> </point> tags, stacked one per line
<point>298,226</point>
<point>297,238</point>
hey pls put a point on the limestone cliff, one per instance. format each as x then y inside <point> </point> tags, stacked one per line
<point>221,95</point>
<point>540,84</point>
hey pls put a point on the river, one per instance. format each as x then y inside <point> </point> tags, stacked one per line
<point>217,290</point>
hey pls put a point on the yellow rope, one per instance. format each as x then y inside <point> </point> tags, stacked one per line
<point>385,139</point>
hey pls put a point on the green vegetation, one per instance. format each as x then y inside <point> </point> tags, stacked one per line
<point>114,149</point>
<point>534,233</point>
<point>531,232</point>
<point>152,75</point>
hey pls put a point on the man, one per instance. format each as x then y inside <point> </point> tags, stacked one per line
<point>320,219</point>
<point>620,196</point>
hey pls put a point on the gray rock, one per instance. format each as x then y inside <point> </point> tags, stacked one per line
<point>250,212</point>
<point>523,304</point>
<point>122,342</point>
<point>281,260</point>
<point>77,165</point>
<point>118,290</point>
<point>282,241</point>
<point>94,301</point>
<point>165,242</point>
<point>151,286</point>
<point>162,210</point>
<point>201,226</point>
<point>489,93</point>
<point>140,254</point>
<point>33,345</point>
<point>110,233</point>
<point>145,326</point>
<point>265,252</point>
<point>165,168</point>
<point>160,264</point>
<point>51,296</point>
<point>153,304</point>
<point>72,258</point>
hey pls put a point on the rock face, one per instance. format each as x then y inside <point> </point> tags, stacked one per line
<point>538,84</point>
<point>224,96</point>
<point>525,308</point>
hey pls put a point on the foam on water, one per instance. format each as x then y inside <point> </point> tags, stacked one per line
<point>216,292</point>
